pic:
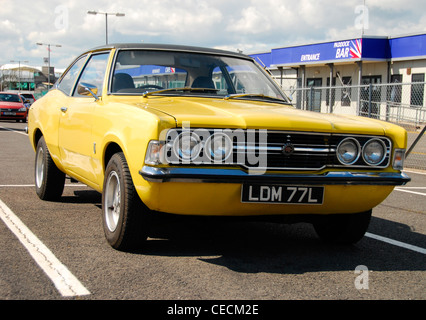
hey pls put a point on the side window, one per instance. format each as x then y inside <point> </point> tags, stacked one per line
<point>68,80</point>
<point>94,73</point>
<point>220,82</point>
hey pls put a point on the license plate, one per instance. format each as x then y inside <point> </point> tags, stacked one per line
<point>255,193</point>
<point>9,113</point>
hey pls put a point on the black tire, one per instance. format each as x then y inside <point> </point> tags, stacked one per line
<point>343,228</point>
<point>49,180</point>
<point>126,220</point>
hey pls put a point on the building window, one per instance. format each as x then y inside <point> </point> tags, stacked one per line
<point>327,92</point>
<point>346,91</point>
<point>394,92</point>
<point>372,110</point>
<point>313,96</point>
<point>417,90</point>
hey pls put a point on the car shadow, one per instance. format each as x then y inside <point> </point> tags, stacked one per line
<point>256,246</point>
<point>250,246</point>
<point>82,196</point>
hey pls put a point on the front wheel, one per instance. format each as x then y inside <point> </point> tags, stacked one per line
<point>49,180</point>
<point>343,228</point>
<point>125,218</point>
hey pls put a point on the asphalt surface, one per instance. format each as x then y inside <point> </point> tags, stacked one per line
<point>204,260</point>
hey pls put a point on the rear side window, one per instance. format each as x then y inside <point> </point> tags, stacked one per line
<point>67,82</point>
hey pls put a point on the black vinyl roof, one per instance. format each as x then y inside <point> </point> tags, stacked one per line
<point>170,47</point>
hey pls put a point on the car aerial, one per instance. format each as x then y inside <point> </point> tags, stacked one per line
<point>12,107</point>
<point>204,132</point>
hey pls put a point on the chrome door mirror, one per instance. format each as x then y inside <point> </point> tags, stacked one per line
<point>86,89</point>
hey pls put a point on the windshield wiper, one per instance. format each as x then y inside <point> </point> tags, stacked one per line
<point>189,89</point>
<point>253,95</point>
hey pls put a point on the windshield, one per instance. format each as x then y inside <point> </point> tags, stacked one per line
<point>197,74</point>
<point>10,97</point>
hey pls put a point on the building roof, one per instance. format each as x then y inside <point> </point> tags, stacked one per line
<point>22,67</point>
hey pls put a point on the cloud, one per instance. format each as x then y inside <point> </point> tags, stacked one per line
<point>248,25</point>
<point>252,21</point>
<point>151,20</point>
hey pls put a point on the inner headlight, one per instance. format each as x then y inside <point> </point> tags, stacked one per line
<point>348,151</point>
<point>187,146</point>
<point>374,152</point>
<point>22,109</point>
<point>218,147</point>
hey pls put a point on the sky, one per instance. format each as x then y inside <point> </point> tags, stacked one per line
<point>251,26</point>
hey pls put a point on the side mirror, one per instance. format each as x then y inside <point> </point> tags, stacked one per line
<point>86,89</point>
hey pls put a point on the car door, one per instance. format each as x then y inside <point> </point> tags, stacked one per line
<point>77,119</point>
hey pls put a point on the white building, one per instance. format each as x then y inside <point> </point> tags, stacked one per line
<point>304,71</point>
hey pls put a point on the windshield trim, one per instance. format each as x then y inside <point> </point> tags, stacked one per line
<point>187,93</point>
<point>254,96</point>
<point>184,89</point>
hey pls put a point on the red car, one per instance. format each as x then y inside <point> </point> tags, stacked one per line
<point>28,96</point>
<point>12,107</point>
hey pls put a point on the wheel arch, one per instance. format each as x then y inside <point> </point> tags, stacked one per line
<point>111,149</point>
<point>36,137</point>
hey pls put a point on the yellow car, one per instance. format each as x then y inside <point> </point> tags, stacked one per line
<point>196,131</point>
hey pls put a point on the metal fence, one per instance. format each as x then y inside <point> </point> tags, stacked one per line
<point>400,103</point>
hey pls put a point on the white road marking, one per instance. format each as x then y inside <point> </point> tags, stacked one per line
<point>415,171</point>
<point>33,185</point>
<point>424,188</point>
<point>16,131</point>
<point>396,243</point>
<point>16,185</point>
<point>65,282</point>
<point>409,191</point>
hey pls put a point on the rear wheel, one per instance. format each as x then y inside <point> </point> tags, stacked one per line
<point>125,218</point>
<point>343,228</point>
<point>49,180</point>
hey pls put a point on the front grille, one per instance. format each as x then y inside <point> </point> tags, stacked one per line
<point>307,151</point>
<point>311,151</point>
<point>9,110</point>
<point>275,150</point>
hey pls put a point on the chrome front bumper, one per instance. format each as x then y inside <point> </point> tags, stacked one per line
<point>212,175</point>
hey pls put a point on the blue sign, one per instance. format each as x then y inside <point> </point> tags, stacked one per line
<point>322,52</point>
<point>411,46</point>
<point>366,49</point>
<point>146,70</point>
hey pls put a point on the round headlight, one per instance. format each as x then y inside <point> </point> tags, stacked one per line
<point>348,151</point>
<point>218,147</point>
<point>374,152</point>
<point>187,146</point>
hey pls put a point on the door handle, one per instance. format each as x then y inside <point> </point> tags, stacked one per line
<point>64,109</point>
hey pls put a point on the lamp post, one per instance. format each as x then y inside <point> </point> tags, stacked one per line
<point>117,14</point>
<point>19,72</point>
<point>48,59</point>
